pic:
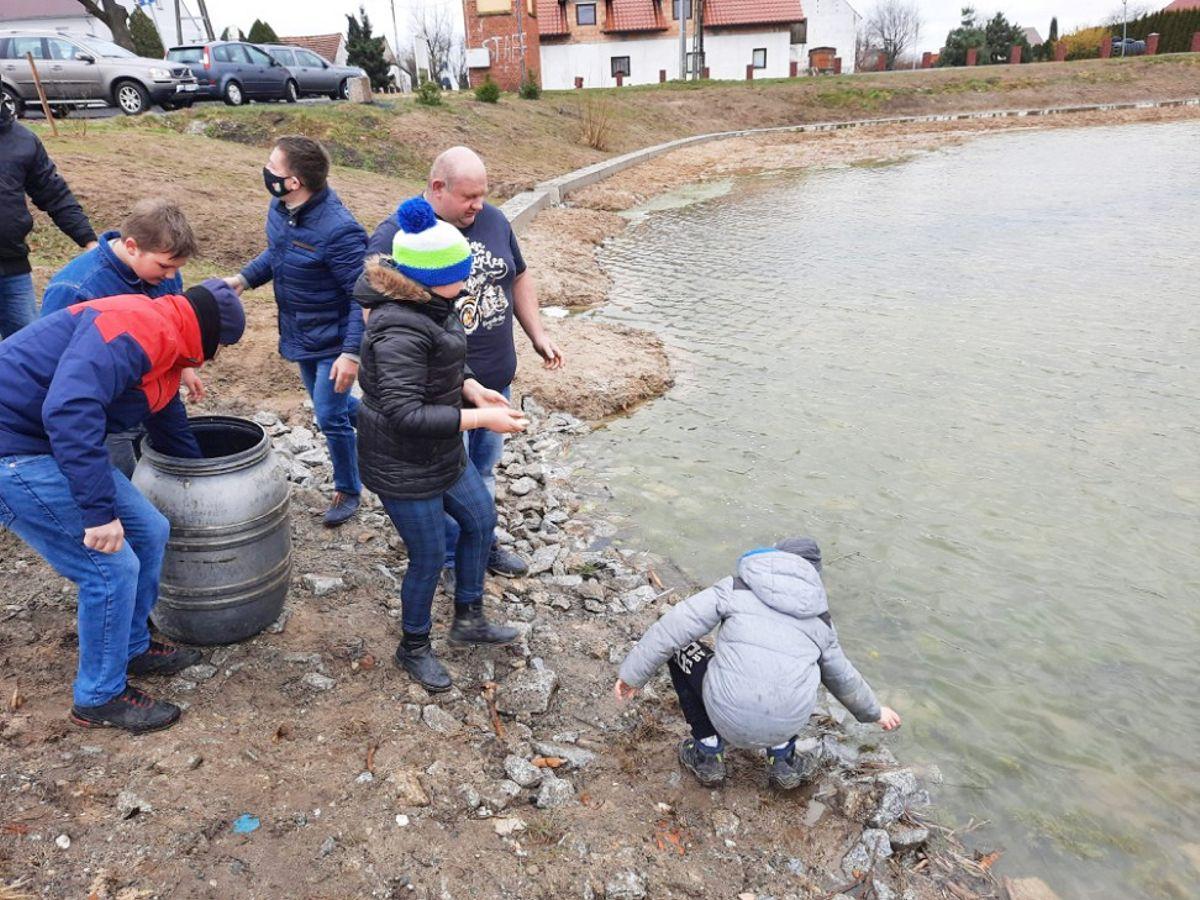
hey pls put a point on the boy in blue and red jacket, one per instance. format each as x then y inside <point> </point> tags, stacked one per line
<point>69,379</point>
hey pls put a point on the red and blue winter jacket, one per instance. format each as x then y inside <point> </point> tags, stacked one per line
<point>93,369</point>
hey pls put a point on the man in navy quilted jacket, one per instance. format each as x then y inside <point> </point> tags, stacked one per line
<point>315,252</point>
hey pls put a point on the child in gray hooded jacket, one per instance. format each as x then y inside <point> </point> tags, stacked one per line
<point>758,688</point>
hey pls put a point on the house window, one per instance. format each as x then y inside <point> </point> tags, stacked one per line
<point>760,58</point>
<point>687,9</point>
<point>620,66</point>
<point>800,33</point>
<point>695,63</point>
<point>585,13</point>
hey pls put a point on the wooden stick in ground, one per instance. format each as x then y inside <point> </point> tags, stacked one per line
<point>489,694</point>
<point>37,80</point>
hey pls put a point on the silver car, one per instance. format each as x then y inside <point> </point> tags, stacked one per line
<point>87,71</point>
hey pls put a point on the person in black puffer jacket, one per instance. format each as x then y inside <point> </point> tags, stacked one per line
<point>25,168</point>
<point>415,381</point>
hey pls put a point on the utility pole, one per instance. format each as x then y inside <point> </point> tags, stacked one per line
<point>1124,25</point>
<point>682,39</point>
<point>178,22</point>
<point>207,21</point>
<point>521,38</point>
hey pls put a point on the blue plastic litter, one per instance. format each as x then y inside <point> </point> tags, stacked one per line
<point>245,823</point>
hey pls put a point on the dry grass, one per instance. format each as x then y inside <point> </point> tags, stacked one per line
<point>596,123</point>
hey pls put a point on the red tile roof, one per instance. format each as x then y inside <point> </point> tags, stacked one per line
<point>552,18</point>
<point>324,45</point>
<point>1181,5</point>
<point>634,15</point>
<point>718,13</point>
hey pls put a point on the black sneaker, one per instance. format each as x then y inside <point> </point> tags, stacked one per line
<point>471,627</point>
<point>424,667</point>
<point>707,765</point>
<point>504,562</point>
<point>131,710</point>
<point>163,659</point>
<point>787,771</point>
<point>341,509</point>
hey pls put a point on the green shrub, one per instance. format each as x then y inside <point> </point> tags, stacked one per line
<point>488,92</point>
<point>530,89</point>
<point>429,93</point>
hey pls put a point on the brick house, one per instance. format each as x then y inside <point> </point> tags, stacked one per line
<point>597,40</point>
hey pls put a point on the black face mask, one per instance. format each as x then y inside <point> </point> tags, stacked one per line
<point>275,183</point>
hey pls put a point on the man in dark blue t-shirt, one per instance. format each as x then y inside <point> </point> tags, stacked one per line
<point>499,288</point>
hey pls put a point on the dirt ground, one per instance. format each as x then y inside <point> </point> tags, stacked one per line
<point>365,786</point>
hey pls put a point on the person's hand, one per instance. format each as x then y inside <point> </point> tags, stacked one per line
<point>190,379</point>
<point>889,719</point>
<point>479,396</point>
<point>105,538</point>
<point>502,420</point>
<point>551,355</point>
<point>235,282</point>
<point>342,373</point>
<point>624,691</point>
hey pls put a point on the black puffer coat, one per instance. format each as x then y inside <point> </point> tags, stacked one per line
<point>414,356</point>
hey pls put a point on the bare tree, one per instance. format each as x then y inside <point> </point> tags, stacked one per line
<point>115,16</point>
<point>894,26</point>
<point>1136,11</point>
<point>434,29</point>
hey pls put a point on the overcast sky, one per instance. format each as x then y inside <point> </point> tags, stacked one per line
<point>291,17</point>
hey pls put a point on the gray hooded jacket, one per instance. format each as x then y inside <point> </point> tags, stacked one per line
<point>772,651</point>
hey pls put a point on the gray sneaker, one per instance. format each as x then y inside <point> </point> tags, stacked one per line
<point>788,772</point>
<point>708,766</point>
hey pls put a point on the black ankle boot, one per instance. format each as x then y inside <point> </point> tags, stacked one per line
<point>416,658</point>
<point>470,627</point>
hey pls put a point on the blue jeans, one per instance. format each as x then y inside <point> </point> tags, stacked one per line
<point>18,303</point>
<point>336,415</point>
<point>484,449</point>
<point>420,523</point>
<point>116,590</point>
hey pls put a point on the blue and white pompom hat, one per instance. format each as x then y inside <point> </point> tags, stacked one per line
<point>426,249</point>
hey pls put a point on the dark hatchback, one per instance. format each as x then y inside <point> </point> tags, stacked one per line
<point>235,72</point>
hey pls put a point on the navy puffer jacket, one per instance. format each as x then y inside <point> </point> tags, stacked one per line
<point>314,255</point>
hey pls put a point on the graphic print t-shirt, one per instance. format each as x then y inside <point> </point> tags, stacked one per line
<point>487,314</point>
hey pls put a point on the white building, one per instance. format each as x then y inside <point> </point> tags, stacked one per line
<point>595,40</point>
<point>69,17</point>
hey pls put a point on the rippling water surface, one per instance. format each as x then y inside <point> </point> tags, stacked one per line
<point>975,377</point>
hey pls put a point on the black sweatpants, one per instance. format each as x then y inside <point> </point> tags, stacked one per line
<point>688,667</point>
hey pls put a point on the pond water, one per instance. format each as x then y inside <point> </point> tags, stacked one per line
<point>974,376</point>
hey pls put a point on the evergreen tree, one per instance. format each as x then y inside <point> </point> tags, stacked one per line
<point>365,51</point>
<point>146,41</point>
<point>1053,29</point>
<point>262,33</point>
<point>968,34</point>
<point>225,35</point>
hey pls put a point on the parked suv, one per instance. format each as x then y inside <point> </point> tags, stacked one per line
<point>87,71</point>
<point>235,72</point>
<point>316,75</point>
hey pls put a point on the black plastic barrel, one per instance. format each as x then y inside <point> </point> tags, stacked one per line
<point>229,558</point>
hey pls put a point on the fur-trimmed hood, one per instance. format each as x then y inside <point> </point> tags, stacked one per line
<point>383,282</point>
